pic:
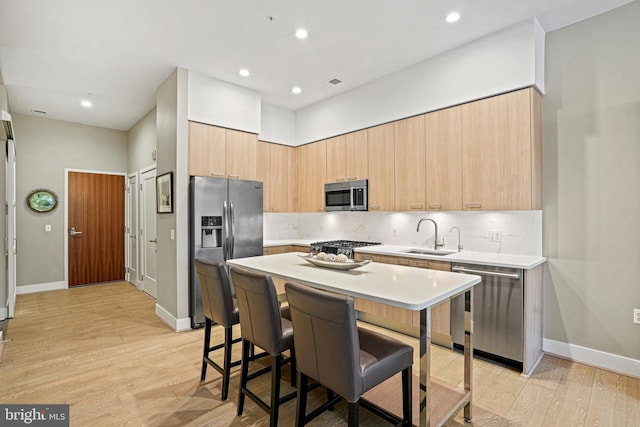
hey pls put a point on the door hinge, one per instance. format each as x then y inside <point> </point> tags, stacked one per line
<point>140,186</point>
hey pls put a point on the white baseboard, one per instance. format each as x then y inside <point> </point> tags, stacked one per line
<point>589,356</point>
<point>41,287</point>
<point>178,325</point>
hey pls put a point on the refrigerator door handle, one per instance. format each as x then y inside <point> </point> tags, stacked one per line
<point>232,239</point>
<point>225,221</point>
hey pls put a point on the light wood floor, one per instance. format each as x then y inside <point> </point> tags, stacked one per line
<point>102,350</point>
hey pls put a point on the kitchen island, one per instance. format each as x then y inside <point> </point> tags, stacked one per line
<point>398,286</point>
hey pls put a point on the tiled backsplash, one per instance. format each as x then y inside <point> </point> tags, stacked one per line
<point>520,231</point>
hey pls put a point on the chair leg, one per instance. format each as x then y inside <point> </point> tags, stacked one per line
<point>407,400</point>
<point>207,343</point>
<point>226,367</point>
<point>330,396</point>
<point>301,402</point>
<point>354,413</point>
<point>244,372</point>
<point>276,365</point>
<point>293,367</point>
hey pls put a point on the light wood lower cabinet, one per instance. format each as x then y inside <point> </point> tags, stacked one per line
<point>272,250</point>
<point>440,314</point>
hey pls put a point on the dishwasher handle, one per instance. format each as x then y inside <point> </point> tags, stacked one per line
<point>485,273</point>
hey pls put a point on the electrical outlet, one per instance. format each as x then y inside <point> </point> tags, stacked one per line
<point>636,315</point>
<point>495,236</point>
<point>47,227</point>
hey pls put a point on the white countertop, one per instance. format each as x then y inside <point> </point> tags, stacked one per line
<point>400,286</point>
<point>484,258</point>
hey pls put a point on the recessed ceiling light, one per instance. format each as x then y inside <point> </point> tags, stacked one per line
<point>86,103</point>
<point>302,33</point>
<point>244,72</point>
<point>296,89</point>
<point>453,17</point>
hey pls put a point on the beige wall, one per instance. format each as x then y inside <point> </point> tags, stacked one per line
<point>44,149</point>
<point>592,183</point>
<point>142,142</point>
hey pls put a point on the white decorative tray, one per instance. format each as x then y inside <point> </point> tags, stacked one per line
<point>348,265</point>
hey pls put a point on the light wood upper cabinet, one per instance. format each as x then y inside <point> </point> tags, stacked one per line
<point>444,160</point>
<point>241,154</point>
<point>501,151</point>
<point>336,159</point>
<point>277,170</point>
<point>312,175</point>
<point>206,150</point>
<point>347,157</point>
<point>356,154</point>
<point>221,153</point>
<point>410,158</point>
<point>381,164</point>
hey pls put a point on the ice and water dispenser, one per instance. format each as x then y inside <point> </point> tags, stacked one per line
<point>211,229</point>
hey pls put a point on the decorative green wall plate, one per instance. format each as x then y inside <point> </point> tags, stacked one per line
<point>42,200</point>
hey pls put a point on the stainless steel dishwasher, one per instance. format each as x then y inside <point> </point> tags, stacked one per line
<point>498,318</point>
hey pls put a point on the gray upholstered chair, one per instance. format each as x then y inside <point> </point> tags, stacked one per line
<point>348,360</point>
<point>219,308</point>
<point>262,324</point>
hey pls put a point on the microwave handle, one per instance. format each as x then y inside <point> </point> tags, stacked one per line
<point>353,197</point>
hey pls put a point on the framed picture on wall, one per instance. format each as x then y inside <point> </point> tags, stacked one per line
<point>164,192</point>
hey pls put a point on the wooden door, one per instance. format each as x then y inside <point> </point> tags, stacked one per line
<point>410,155</point>
<point>96,228</point>
<point>312,175</point>
<point>356,154</point>
<point>381,167</point>
<point>444,160</point>
<point>240,150</point>
<point>206,150</point>
<point>496,152</point>
<point>336,159</point>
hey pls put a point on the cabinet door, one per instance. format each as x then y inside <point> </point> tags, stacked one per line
<point>356,155</point>
<point>444,160</point>
<point>206,150</point>
<point>312,160</point>
<point>279,177</point>
<point>336,159</point>
<point>381,166</point>
<point>496,152</point>
<point>241,154</point>
<point>263,170</point>
<point>410,164</point>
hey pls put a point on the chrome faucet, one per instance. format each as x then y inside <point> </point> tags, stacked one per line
<point>436,243</point>
<point>459,242</point>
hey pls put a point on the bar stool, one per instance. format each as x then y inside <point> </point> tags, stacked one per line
<point>219,308</point>
<point>348,360</point>
<point>263,325</point>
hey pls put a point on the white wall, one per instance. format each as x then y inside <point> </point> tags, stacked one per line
<point>278,125</point>
<point>142,142</point>
<point>521,230</point>
<point>222,104</point>
<point>498,63</point>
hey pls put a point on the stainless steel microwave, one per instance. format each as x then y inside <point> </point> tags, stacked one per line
<point>346,196</point>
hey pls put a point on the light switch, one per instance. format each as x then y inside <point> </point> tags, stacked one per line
<point>47,227</point>
<point>173,234</point>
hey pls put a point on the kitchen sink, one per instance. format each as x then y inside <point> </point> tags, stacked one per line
<point>427,252</point>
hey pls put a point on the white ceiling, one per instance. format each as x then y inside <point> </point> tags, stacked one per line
<point>54,53</point>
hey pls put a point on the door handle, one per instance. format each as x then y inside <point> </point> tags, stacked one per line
<point>153,241</point>
<point>73,231</point>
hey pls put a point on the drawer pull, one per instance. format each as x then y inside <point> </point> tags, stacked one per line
<point>353,178</point>
<point>234,176</point>
<point>435,206</point>
<point>217,174</point>
<point>473,205</point>
<point>374,207</point>
<point>417,206</point>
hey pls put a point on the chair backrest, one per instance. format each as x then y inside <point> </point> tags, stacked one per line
<point>260,320</point>
<point>326,338</point>
<point>217,297</point>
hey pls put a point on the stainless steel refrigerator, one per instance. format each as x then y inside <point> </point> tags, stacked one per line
<point>226,222</point>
